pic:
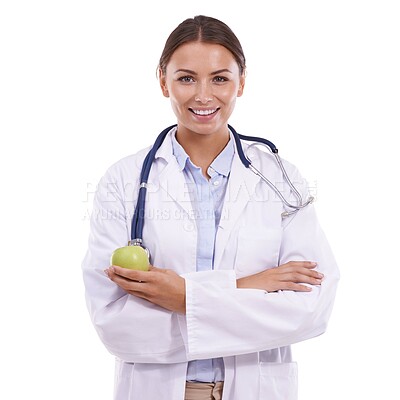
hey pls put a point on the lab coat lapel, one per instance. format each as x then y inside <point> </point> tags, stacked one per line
<point>240,190</point>
<point>171,179</point>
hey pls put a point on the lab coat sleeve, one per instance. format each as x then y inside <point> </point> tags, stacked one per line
<point>222,320</point>
<point>131,328</point>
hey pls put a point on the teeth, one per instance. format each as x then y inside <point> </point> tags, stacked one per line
<point>204,112</point>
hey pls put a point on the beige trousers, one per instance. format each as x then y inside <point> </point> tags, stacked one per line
<point>203,391</point>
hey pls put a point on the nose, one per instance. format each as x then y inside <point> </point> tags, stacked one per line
<point>204,94</point>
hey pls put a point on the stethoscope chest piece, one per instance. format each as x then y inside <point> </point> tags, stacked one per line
<point>139,242</point>
<point>293,207</point>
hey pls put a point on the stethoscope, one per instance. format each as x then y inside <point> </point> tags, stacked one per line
<point>138,216</point>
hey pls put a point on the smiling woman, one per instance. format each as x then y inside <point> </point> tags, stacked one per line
<point>202,81</point>
<point>231,285</point>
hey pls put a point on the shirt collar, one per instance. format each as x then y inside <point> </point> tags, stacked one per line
<point>221,164</point>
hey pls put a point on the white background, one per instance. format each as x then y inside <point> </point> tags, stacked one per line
<point>79,91</point>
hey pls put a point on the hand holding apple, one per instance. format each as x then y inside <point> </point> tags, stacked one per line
<point>163,287</point>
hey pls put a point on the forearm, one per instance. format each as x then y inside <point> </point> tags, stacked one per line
<point>131,328</point>
<point>251,320</point>
<point>290,276</point>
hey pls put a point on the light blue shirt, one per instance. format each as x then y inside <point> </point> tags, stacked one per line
<point>207,197</point>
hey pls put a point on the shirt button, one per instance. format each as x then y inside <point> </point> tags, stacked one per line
<point>216,183</point>
<point>188,226</point>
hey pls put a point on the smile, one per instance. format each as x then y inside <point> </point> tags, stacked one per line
<point>204,112</point>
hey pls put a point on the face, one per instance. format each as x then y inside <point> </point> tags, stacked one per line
<point>202,81</point>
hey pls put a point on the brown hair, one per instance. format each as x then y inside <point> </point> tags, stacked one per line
<point>202,29</point>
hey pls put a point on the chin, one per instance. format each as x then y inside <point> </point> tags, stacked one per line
<point>206,128</point>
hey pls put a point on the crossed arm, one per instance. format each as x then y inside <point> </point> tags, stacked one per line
<point>166,288</point>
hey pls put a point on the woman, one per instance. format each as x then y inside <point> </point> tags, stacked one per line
<point>232,285</point>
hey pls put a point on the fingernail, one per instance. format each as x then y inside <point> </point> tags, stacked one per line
<point>320,275</point>
<point>106,272</point>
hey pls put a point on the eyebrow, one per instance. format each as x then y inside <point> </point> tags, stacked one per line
<point>189,71</point>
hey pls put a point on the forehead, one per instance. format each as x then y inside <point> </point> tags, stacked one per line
<point>202,56</point>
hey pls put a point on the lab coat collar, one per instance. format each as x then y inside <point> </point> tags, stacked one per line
<point>179,152</point>
<point>170,177</point>
<point>166,150</point>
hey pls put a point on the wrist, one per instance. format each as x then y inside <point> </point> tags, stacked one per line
<point>240,283</point>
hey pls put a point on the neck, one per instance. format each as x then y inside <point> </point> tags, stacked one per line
<point>202,149</point>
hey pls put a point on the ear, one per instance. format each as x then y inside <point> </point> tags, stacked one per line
<point>241,84</point>
<point>163,83</point>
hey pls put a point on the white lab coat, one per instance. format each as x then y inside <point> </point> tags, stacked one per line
<point>251,329</point>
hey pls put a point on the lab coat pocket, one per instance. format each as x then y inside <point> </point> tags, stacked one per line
<point>257,251</point>
<point>278,381</point>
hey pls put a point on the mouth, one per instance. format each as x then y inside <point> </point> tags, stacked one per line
<point>201,112</point>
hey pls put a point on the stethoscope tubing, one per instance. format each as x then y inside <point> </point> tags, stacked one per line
<point>139,214</point>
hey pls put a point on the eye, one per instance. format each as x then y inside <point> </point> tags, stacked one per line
<point>186,79</point>
<point>220,79</point>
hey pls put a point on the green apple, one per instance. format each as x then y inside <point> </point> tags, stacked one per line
<point>131,257</point>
